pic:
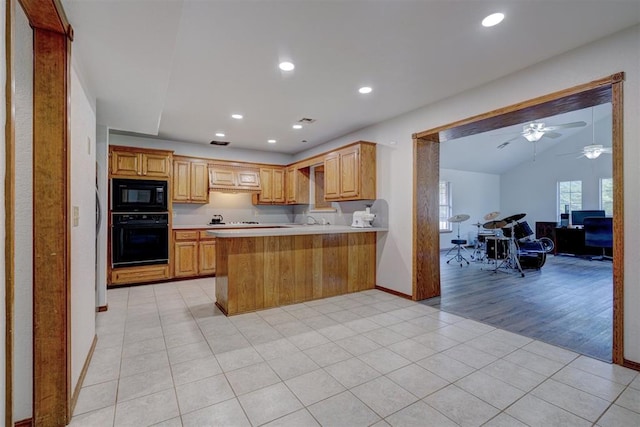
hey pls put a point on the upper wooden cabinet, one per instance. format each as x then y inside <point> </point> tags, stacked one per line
<point>233,179</point>
<point>297,185</point>
<point>350,173</point>
<point>272,187</point>
<point>135,162</point>
<point>190,180</point>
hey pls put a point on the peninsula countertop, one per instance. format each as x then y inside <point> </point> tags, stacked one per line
<point>289,230</point>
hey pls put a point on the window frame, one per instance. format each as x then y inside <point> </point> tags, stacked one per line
<point>608,212</point>
<point>448,227</point>
<point>572,206</point>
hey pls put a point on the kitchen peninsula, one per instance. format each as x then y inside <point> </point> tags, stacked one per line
<point>270,267</point>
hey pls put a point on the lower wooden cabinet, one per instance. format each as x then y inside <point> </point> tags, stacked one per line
<point>146,273</point>
<point>194,253</point>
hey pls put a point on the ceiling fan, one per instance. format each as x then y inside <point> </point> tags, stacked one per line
<point>591,152</point>
<point>534,131</point>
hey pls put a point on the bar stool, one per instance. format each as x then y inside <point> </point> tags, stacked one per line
<point>458,242</point>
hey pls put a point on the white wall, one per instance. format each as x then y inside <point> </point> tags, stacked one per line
<point>531,187</point>
<point>201,150</point>
<point>618,52</point>
<point>3,312</point>
<point>23,289</point>
<point>475,194</point>
<point>83,234</point>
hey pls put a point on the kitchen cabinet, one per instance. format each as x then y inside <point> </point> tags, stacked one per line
<point>146,273</point>
<point>233,179</point>
<point>128,162</point>
<point>194,253</point>
<point>297,185</point>
<point>272,187</point>
<point>190,180</point>
<point>350,173</point>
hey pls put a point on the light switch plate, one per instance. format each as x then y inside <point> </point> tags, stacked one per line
<point>76,216</point>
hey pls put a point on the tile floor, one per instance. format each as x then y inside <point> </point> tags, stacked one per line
<point>167,357</point>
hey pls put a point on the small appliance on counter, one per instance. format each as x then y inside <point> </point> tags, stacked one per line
<point>217,219</point>
<point>363,219</point>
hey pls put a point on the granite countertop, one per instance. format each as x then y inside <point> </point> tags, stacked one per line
<point>288,230</point>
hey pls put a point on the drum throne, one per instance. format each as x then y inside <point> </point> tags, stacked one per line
<point>458,242</point>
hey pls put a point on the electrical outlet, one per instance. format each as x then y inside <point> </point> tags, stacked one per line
<point>76,216</point>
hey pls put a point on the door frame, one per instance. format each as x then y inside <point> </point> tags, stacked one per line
<point>426,152</point>
<point>52,36</point>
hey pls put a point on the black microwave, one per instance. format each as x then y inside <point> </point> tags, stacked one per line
<point>138,195</point>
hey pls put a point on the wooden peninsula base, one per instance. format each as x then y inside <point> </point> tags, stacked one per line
<point>255,273</point>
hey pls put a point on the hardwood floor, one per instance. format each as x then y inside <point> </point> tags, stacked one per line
<point>568,302</point>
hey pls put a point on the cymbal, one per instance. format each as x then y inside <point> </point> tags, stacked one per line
<point>459,218</point>
<point>513,218</point>
<point>492,225</point>
<point>491,215</point>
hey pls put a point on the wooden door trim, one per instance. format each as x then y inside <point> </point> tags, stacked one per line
<point>52,37</point>
<point>425,244</point>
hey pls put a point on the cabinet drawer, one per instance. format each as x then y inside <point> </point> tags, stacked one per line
<point>186,235</point>
<point>148,273</point>
<point>205,236</point>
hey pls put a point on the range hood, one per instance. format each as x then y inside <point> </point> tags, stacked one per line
<point>234,180</point>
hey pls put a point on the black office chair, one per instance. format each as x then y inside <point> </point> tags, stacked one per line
<point>598,232</point>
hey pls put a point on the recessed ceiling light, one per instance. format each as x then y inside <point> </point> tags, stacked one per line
<point>271,141</point>
<point>286,66</point>
<point>236,116</point>
<point>493,19</point>
<point>220,134</point>
<point>297,126</point>
<point>365,89</point>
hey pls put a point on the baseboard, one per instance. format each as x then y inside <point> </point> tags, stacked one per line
<point>396,293</point>
<point>24,423</point>
<point>631,365</point>
<point>102,308</point>
<point>83,373</point>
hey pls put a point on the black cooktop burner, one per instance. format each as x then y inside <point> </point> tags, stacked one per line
<point>234,223</point>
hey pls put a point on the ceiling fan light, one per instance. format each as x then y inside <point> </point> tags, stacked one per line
<point>533,135</point>
<point>593,151</point>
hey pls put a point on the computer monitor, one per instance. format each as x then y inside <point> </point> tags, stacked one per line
<point>577,217</point>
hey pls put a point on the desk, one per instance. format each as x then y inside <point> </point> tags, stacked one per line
<point>571,241</point>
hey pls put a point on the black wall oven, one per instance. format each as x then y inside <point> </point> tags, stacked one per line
<point>139,239</point>
<point>138,195</point>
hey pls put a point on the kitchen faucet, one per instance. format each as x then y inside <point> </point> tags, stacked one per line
<point>311,220</point>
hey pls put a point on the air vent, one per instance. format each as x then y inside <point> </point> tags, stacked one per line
<point>220,143</point>
<point>306,120</point>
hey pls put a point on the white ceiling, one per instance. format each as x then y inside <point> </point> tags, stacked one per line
<point>480,153</point>
<point>179,69</point>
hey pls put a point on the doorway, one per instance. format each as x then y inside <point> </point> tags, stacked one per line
<point>426,283</point>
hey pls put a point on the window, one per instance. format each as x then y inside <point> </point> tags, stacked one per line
<point>569,196</point>
<point>606,195</point>
<point>445,205</point>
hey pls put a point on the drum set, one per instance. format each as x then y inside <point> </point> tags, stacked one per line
<point>506,243</point>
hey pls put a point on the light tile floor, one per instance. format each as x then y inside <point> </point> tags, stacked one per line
<point>167,357</point>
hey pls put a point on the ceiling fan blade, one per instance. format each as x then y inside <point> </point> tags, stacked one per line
<point>501,146</point>
<point>565,126</point>
<point>552,135</point>
<point>607,150</point>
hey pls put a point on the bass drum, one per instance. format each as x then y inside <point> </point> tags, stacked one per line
<point>531,254</point>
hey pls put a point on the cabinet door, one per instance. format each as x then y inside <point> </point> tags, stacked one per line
<point>181,181</point>
<point>332,177</point>
<point>125,163</point>
<point>266,185</point>
<point>278,186</point>
<point>290,185</point>
<point>199,182</point>
<point>349,173</point>
<point>248,179</point>
<point>155,165</point>
<point>222,177</point>
<point>185,261</point>
<point>207,261</point>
